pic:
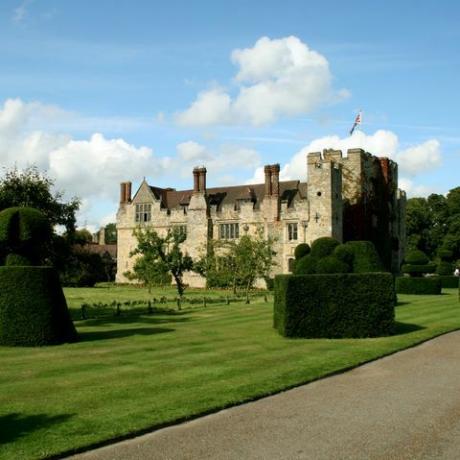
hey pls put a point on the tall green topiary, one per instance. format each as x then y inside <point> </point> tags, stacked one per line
<point>417,264</point>
<point>33,309</point>
<point>26,233</point>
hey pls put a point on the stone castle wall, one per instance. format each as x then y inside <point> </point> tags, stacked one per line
<point>335,185</point>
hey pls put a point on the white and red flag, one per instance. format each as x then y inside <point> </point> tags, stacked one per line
<point>357,122</point>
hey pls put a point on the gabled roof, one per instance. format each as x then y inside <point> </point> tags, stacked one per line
<point>219,196</point>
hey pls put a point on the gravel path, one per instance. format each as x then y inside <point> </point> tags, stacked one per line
<point>405,406</point>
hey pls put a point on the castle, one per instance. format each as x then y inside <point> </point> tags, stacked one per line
<point>352,197</point>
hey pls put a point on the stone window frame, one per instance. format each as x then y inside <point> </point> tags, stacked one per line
<point>229,230</point>
<point>143,213</point>
<point>292,231</point>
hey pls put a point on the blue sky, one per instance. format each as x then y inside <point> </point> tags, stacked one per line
<point>99,92</point>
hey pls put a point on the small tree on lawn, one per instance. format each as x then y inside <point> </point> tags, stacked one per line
<point>164,254</point>
<point>253,258</point>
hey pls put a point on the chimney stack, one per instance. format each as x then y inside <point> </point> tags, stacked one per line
<point>275,171</point>
<point>199,179</point>
<point>125,192</point>
<point>268,180</point>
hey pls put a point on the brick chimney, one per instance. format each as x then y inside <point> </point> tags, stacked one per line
<point>125,192</point>
<point>268,180</point>
<point>199,179</point>
<point>275,169</point>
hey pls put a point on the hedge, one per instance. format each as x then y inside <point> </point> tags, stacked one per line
<point>334,306</point>
<point>444,268</point>
<point>33,309</point>
<point>418,270</point>
<point>422,286</point>
<point>449,281</point>
<point>306,265</point>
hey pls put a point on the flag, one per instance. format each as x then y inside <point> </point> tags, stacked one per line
<point>357,122</point>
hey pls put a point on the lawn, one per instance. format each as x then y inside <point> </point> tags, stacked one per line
<point>132,373</point>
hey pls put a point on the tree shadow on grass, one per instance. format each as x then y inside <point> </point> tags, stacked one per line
<point>406,328</point>
<point>399,303</point>
<point>120,333</point>
<point>14,426</point>
<point>109,319</point>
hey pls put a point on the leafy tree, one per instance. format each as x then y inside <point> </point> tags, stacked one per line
<point>111,233</point>
<point>150,272</point>
<point>33,189</point>
<point>160,253</point>
<point>82,236</point>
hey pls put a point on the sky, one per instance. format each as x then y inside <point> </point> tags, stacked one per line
<point>96,93</point>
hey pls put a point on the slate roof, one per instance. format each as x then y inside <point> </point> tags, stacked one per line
<point>219,196</point>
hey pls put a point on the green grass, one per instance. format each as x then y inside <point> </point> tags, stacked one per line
<point>133,373</point>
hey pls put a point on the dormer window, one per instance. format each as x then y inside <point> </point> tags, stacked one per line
<point>143,212</point>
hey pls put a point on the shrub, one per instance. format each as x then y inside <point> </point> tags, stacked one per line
<point>323,247</point>
<point>16,260</point>
<point>331,264</point>
<point>449,281</point>
<point>444,268</point>
<point>340,305</point>
<point>422,286</point>
<point>33,309</point>
<point>344,253</point>
<point>306,265</point>
<point>418,270</point>
<point>445,255</point>
<point>301,250</point>
<point>416,257</point>
<point>26,232</point>
<point>365,257</point>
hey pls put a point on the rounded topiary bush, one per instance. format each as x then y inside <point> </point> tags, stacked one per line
<point>306,265</point>
<point>416,257</point>
<point>365,257</point>
<point>344,253</point>
<point>25,232</point>
<point>323,247</point>
<point>33,309</point>
<point>331,264</point>
<point>301,250</point>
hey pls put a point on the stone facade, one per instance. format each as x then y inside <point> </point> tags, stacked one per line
<point>347,197</point>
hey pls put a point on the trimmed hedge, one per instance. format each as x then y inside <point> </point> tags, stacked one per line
<point>450,281</point>
<point>301,250</point>
<point>418,270</point>
<point>421,286</point>
<point>33,309</point>
<point>334,306</point>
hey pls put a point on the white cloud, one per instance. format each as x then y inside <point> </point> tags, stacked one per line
<point>413,160</point>
<point>220,160</point>
<point>413,189</point>
<point>275,78</point>
<point>88,168</point>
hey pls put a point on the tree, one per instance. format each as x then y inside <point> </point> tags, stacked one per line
<point>160,253</point>
<point>82,236</point>
<point>111,233</point>
<point>233,264</point>
<point>31,188</point>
